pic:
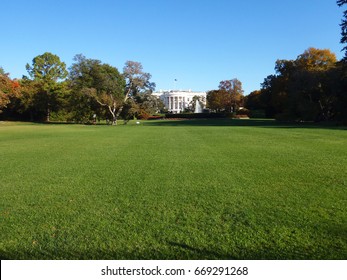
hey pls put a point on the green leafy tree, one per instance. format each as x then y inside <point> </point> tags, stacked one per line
<point>100,82</point>
<point>2,71</point>
<point>137,83</point>
<point>150,103</point>
<point>48,71</point>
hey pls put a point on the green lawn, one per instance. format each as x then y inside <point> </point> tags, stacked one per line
<point>214,189</point>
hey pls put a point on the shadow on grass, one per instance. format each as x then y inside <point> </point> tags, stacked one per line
<point>176,250</point>
<point>172,251</point>
<point>201,253</point>
<point>264,123</point>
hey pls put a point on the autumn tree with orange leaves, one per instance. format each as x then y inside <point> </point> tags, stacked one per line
<point>8,89</point>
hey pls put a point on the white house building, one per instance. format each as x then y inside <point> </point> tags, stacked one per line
<point>177,100</point>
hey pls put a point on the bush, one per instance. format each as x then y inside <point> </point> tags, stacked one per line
<point>260,114</point>
<point>196,116</point>
<point>143,115</point>
<point>60,116</point>
<point>155,117</point>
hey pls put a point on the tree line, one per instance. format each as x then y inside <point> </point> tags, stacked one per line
<point>89,90</point>
<point>92,89</point>
<point>313,87</point>
<point>309,88</point>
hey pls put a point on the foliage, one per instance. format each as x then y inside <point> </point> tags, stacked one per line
<point>137,84</point>
<point>235,93</point>
<point>196,115</point>
<point>93,88</point>
<point>90,79</point>
<point>218,100</point>
<point>337,78</point>
<point>149,103</point>
<point>310,88</point>
<point>2,71</point>
<point>47,71</point>
<point>343,26</point>
<point>228,98</point>
<point>340,76</point>
<point>301,88</point>
<point>9,89</point>
<point>137,81</point>
<point>254,101</point>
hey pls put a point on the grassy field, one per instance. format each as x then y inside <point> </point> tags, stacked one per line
<point>217,189</point>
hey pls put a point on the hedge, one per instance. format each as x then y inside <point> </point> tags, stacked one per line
<point>197,116</point>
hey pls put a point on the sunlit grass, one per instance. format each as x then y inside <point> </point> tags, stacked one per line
<point>220,189</point>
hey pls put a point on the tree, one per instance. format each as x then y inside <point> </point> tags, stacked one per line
<point>234,89</point>
<point>9,89</point>
<point>102,82</point>
<point>137,82</point>
<point>341,73</point>
<point>218,100</point>
<point>338,83</point>
<point>5,88</point>
<point>343,26</point>
<point>310,86</point>
<point>149,103</point>
<point>314,59</point>
<point>300,89</point>
<point>47,70</point>
<point>2,71</point>
<point>253,101</point>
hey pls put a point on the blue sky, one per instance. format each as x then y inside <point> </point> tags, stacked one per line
<point>199,43</point>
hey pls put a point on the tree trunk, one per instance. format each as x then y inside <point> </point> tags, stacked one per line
<point>48,114</point>
<point>114,116</point>
<point>121,107</point>
<point>118,114</point>
<point>114,120</point>
<point>48,107</point>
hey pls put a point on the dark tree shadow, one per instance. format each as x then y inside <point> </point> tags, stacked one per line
<point>264,123</point>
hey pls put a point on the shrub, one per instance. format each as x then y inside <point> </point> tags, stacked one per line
<point>260,114</point>
<point>155,117</point>
<point>143,115</point>
<point>196,116</point>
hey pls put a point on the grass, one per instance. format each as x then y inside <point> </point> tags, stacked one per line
<point>207,189</point>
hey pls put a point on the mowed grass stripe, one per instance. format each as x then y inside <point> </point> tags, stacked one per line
<point>173,191</point>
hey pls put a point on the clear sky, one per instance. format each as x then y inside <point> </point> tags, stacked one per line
<point>197,42</point>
